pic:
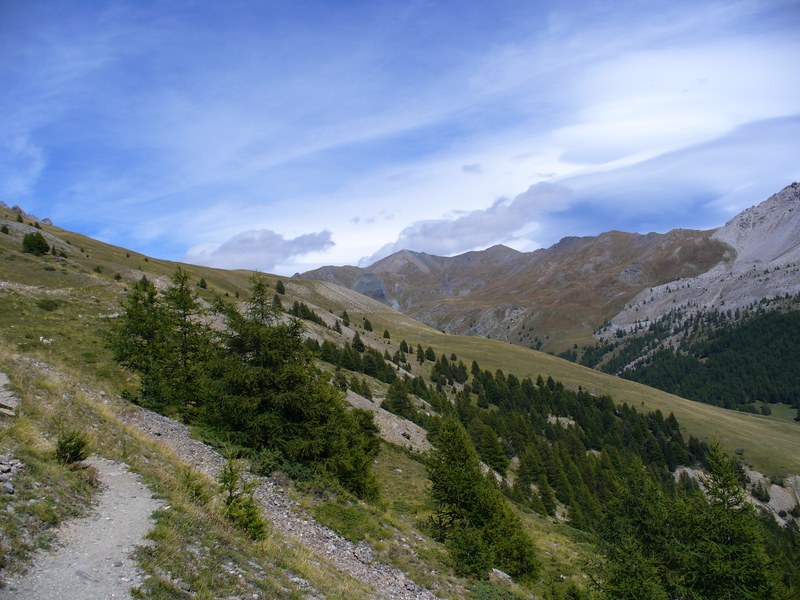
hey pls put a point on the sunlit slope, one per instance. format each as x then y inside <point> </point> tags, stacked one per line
<point>94,275</point>
<point>771,445</point>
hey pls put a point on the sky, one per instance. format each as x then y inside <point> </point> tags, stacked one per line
<point>283,136</point>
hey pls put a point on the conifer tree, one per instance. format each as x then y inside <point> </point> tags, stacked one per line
<point>471,517</point>
<point>735,562</point>
<point>358,344</point>
<point>397,400</point>
<point>34,243</point>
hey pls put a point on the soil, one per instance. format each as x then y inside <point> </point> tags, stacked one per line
<point>92,557</point>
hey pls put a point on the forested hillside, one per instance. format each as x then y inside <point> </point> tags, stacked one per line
<point>605,469</point>
<point>743,359</point>
<point>562,486</point>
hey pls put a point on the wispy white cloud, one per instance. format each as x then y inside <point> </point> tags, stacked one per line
<point>298,118</point>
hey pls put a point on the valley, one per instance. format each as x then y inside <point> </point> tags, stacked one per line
<point>55,313</point>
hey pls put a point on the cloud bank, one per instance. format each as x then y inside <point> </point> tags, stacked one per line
<point>479,229</point>
<point>258,249</point>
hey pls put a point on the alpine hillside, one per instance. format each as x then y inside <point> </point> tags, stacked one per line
<point>763,262</point>
<point>551,299</point>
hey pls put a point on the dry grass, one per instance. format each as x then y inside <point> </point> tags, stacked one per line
<point>192,543</point>
<point>770,444</point>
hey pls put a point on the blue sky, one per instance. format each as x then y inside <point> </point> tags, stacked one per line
<point>282,136</point>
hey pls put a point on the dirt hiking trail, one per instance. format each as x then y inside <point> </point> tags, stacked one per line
<point>91,559</point>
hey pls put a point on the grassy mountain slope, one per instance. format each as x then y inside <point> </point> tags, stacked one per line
<point>772,445</point>
<point>759,436</point>
<point>53,313</point>
<point>54,310</point>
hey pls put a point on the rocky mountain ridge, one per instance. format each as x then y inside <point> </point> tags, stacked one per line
<point>552,298</point>
<point>546,299</point>
<point>763,262</point>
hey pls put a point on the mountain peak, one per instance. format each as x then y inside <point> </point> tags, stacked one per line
<point>767,232</point>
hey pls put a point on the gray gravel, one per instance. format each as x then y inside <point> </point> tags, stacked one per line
<point>92,560</point>
<point>284,515</point>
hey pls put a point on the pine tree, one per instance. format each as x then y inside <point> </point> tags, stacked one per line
<point>34,243</point>
<point>469,507</point>
<point>190,343</point>
<point>397,400</point>
<point>270,395</point>
<point>358,344</point>
<point>735,563</point>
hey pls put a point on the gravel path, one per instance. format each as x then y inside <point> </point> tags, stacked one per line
<point>283,514</point>
<point>93,558</point>
<point>8,399</point>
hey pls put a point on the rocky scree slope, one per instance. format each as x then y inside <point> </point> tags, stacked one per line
<point>763,261</point>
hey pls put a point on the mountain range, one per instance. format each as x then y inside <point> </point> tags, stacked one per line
<point>60,303</point>
<point>554,298</point>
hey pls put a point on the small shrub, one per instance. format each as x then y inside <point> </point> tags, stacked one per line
<point>72,447</point>
<point>4,229</point>
<point>97,269</point>
<point>202,283</point>
<point>761,491</point>
<point>48,304</point>
<point>241,507</point>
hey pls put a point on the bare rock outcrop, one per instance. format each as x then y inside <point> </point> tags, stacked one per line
<point>763,262</point>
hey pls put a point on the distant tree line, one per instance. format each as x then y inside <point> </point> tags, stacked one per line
<point>733,364</point>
